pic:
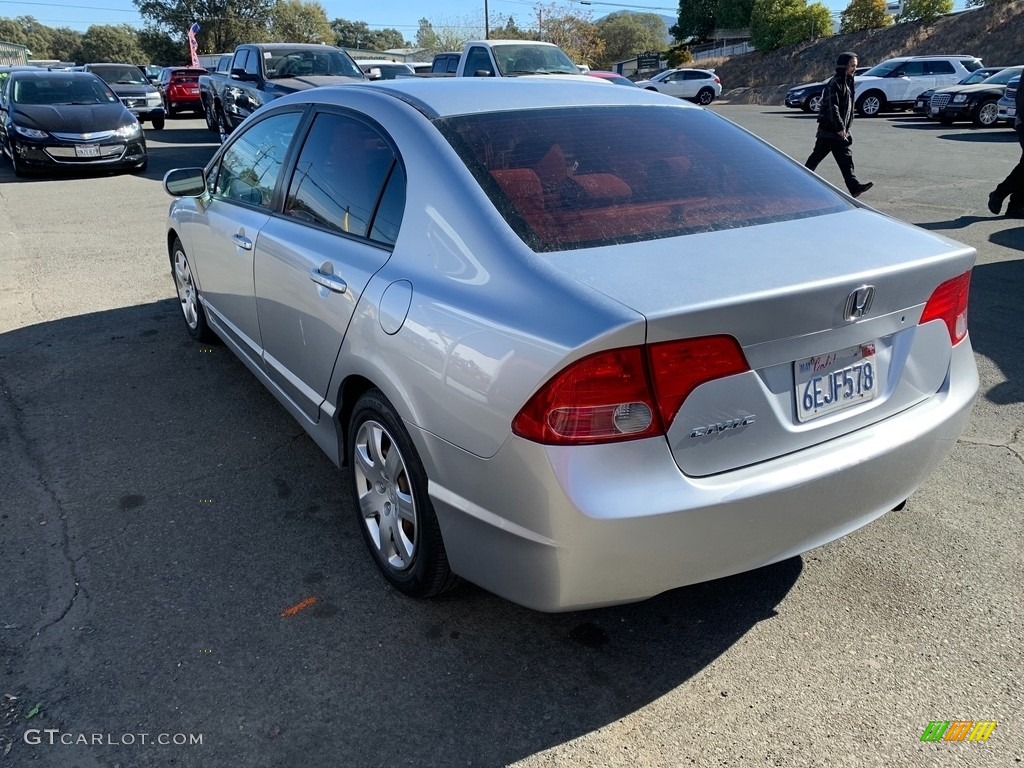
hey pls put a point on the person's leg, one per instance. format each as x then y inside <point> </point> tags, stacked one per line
<point>819,153</point>
<point>844,158</point>
<point>1012,186</point>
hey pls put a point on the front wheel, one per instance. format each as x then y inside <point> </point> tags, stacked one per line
<point>870,104</point>
<point>158,123</point>
<point>188,295</point>
<point>705,97</point>
<point>814,103</point>
<point>389,492</point>
<point>19,167</point>
<point>987,115</point>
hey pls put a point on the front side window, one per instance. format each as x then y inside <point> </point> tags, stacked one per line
<point>477,60</point>
<point>339,177</point>
<point>565,178</point>
<point>310,62</point>
<point>250,166</point>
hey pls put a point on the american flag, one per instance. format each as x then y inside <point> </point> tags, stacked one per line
<point>193,45</point>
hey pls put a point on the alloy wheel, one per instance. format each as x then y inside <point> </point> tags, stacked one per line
<point>186,289</point>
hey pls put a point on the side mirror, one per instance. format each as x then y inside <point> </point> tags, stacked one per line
<point>185,182</point>
<point>240,74</point>
<point>483,73</point>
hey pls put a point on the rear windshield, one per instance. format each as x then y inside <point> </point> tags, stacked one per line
<point>121,75</point>
<point>579,177</point>
<point>188,75</point>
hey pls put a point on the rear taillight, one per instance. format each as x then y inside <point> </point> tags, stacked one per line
<point>948,303</point>
<point>625,394</point>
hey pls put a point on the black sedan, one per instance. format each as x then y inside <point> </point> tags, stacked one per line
<point>921,103</point>
<point>808,96</point>
<point>68,120</point>
<point>977,103</point>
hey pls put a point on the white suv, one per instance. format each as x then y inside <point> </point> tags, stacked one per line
<point>895,83</point>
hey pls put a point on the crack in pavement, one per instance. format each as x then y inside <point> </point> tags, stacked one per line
<point>35,461</point>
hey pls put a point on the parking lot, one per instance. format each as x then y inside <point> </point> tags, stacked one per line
<point>180,561</point>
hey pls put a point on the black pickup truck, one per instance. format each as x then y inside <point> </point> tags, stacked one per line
<point>258,73</point>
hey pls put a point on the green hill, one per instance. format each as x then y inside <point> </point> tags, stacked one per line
<point>994,33</point>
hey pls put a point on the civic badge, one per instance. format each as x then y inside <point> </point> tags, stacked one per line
<point>859,302</point>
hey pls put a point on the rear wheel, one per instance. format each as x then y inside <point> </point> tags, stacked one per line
<point>705,96</point>
<point>389,492</point>
<point>210,116</point>
<point>987,115</point>
<point>870,104</point>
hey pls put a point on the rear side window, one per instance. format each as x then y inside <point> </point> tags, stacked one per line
<point>971,64</point>
<point>941,67</point>
<point>339,179</point>
<point>578,177</point>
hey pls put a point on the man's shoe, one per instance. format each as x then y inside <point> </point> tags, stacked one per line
<point>995,202</point>
<point>863,188</point>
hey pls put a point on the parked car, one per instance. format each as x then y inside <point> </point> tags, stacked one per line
<point>258,73</point>
<point>66,120</point>
<point>611,77</point>
<point>896,83</point>
<point>132,86</point>
<point>152,72</point>
<point>179,90</point>
<point>383,69</point>
<point>977,103</point>
<point>5,71</point>
<point>699,85</point>
<point>1007,106</point>
<point>573,370</point>
<point>921,103</point>
<point>808,96</point>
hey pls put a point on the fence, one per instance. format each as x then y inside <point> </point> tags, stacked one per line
<point>12,54</point>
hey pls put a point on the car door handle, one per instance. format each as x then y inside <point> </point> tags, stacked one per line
<point>330,282</point>
<point>242,241</point>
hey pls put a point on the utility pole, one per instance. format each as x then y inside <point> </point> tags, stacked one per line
<point>487,23</point>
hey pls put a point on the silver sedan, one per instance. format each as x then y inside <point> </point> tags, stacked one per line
<point>578,345</point>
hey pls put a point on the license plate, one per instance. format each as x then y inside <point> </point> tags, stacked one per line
<point>828,383</point>
<point>193,90</point>
<point>87,150</point>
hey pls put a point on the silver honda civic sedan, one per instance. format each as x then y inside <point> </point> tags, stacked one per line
<point>577,344</point>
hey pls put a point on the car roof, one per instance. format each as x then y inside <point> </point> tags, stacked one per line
<point>446,97</point>
<point>292,46</point>
<point>44,74</point>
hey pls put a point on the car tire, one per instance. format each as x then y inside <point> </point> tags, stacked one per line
<point>170,110</point>
<point>158,123</point>
<point>222,125</point>
<point>871,104</point>
<point>705,96</point>
<point>210,117</point>
<point>141,167</point>
<point>188,295</point>
<point>651,88</point>
<point>814,103</point>
<point>19,168</point>
<point>393,510</point>
<point>987,114</point>
<point>945,121</point>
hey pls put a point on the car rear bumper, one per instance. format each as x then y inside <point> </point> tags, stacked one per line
<point>583,527</point>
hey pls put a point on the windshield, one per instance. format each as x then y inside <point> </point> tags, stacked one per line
<point>564,179</point>
<point>62,90</point>
<point>883,69</point>
<point>306,63</point>
<point>527,59</point>
<point>121,75</point>
<point>1003,76</point>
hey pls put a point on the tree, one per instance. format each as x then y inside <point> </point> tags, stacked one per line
<point>426,37</point>
<point>734,14</point>
<point>864,14</point>
<point>811,22</point>
<point>771,21</point>
<point>66,44</point>
<point>293,21</point>
<point>223,23</point>
<point>160,48</point>
<point>118,43</point>
<point>357,34</point>
<point>447,35</point>
<point>926,11</point>
<point>627,34</point>
<point>696,20</point>
<point>510,31</point>
<point>574,34</point>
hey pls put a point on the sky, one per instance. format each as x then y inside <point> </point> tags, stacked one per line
<point>402,15</point>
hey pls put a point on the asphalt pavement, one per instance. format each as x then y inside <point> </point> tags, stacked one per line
<point>182,582</point>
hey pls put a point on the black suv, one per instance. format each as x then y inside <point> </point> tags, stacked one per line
<point>133,88</point>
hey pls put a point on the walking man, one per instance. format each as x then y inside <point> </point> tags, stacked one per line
<point>834,119</point>
<point>1013,185</point>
